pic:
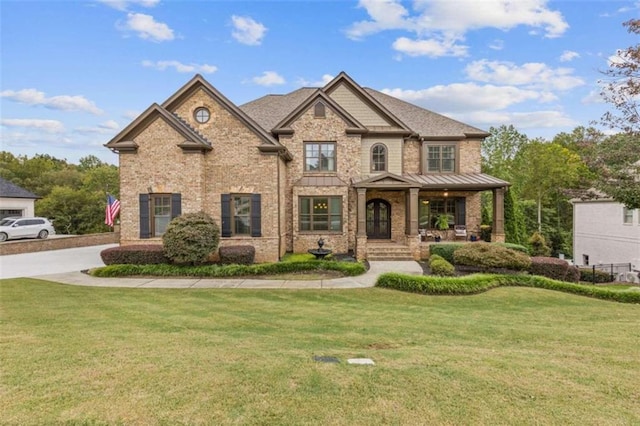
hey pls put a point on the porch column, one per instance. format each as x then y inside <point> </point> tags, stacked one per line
<point>497,234</point>
<point>413,211</point>
<point>362,212</point>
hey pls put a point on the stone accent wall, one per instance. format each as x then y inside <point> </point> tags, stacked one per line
<point>235,165</point>
<point>470,157</point>
<point>411,159</point>
<point>331,128</point>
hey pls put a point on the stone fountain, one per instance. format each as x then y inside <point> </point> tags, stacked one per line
<point>320,252</point>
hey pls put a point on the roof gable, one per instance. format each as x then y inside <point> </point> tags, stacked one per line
<point>123,141</point>
<point>198,82</point>
<point>353,126</point>
<point>387,180</point>
<point>376,114</point>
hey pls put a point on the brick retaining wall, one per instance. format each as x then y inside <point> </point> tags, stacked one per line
<point>58,242</point>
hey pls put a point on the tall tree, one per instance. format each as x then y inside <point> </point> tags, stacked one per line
<point>500,149</point>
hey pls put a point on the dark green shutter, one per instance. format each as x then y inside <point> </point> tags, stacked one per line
<point>176,205</point>
<point>145,229</point>
<point>460,211</point>
<point>225,201</point>
<point>256,230</point>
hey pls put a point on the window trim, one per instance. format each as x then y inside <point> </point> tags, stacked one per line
<point>319,143</point>
<point>627,214</point>
<point>440,145</point>
<point>331,199</point>
<point>386,158</point>
<point>201,109</point>
<point>152,215</point>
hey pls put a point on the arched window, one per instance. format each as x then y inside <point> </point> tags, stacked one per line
<point>378,158</point>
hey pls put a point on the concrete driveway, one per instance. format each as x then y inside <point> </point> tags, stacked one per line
<point>51,262</point>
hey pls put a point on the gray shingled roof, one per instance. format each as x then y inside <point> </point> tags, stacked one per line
<point>269,110</point>
<point>10,190</point>
<point>420,120</point>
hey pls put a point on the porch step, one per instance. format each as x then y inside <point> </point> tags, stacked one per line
<point>388,251</point>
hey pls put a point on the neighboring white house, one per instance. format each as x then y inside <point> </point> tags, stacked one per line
<point>16,201</point>
<point>605,231</point>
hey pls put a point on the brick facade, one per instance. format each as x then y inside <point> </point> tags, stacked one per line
<point>231,154</point>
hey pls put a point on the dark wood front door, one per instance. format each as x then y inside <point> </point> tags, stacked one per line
<point>378,219</point>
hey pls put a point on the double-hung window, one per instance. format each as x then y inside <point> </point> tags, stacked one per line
<point>319,157</point>
<point>320,214</point>
<point>241,214</point>
<point>378,158</point>
<point>160,213</point>
<point>440,158</point>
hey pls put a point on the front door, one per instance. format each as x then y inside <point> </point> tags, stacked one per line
<point>378,219</point>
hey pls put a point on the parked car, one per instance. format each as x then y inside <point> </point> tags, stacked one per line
<point>12,228</point>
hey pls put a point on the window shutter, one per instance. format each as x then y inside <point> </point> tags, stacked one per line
<point>225,200</point>
<point>256,230</point>
<point>176,205</point>
<point>145,230</point>
<point>460,211</point>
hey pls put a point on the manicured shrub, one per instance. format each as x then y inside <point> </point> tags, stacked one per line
<point>513,246</point>
<point>487,257</point>
<point>439,266</point>
<point>444,250</point>
<point>478,283</point>
<point>598,277</point>
<point>241,255</point>
<point>556,269</point>
<point>143,254</point>
<point>191,238</point>
<point>539,245</point>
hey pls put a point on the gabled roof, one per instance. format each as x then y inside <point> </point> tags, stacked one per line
<point>317,95</point>
<point>269,110</point>
<point>386,180</point>
<point>11,190</point>
<point>344,79</point>
<point>198,82</point>
<point>123,141</point>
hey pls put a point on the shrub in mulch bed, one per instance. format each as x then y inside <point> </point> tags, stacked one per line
<point>141,254</point>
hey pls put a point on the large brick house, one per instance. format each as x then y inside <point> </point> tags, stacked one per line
<point>349,164</point>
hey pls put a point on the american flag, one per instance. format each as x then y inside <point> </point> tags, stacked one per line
<point>113,207</point>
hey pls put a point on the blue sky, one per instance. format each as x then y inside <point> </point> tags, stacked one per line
<point>73,73</point>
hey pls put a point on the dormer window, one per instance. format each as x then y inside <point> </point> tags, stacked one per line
<point>378,158</point>
<point>201,115</point>
<point>319,110</point>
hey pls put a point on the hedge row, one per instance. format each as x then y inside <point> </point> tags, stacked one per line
<point>142,254</point>
<point>472,284</point>
<point>220,271</point>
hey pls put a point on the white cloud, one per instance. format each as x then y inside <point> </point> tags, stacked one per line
<point>521,120</point>
<point>569,55</point>
<point>531,75</point>
<point>108,127</point>
<point>432,48</point>
<point>180,67</point>
<point>147,27</point>
<point>439,25</point>
<point>326,78</point>
<point>496,44</point>
<point>49,126</point>
<point>468,97</point>
<point>131,114</point>
<point>247,31</point>
<point>61,102</point>
<point>268,78</point>
<point>124,4</point>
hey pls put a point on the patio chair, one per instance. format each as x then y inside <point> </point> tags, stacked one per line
<point>460,231</point>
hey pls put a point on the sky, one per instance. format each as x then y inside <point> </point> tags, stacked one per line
<point>75,73</point>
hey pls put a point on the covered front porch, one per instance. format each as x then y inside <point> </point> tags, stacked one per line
<point>409,210</point>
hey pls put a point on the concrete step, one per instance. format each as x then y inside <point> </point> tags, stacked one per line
<point>388,251</point>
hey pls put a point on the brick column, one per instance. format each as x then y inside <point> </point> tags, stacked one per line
<point>497,234</point>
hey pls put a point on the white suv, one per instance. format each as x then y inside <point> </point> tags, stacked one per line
<point>12,228</point>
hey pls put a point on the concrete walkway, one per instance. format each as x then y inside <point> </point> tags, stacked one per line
<point>367,279</point>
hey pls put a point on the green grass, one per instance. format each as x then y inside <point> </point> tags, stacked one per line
<point>511,355</point>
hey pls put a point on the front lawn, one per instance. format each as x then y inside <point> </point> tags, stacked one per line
<point>200,356</point>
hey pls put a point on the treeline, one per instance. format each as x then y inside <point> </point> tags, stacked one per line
<point>73,195</point>
<point>546,175</point>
